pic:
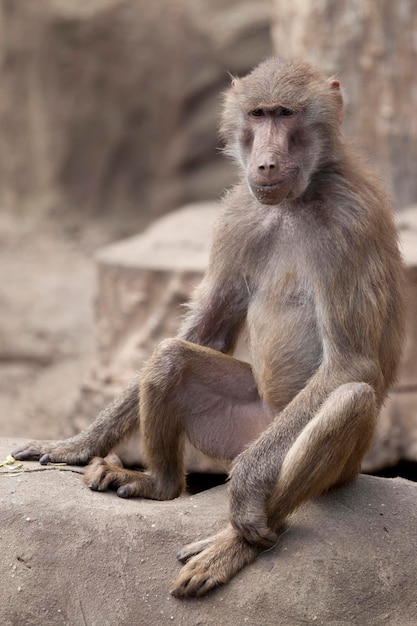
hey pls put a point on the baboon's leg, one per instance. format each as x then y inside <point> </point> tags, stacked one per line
<point>186,390</point>
<point>325,453</point>
<point>328,450</point>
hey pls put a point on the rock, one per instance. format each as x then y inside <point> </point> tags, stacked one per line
<point>144,280</point>
<point>396,435</point>
<point>371,47</point>
<point>71,556</point>
<point>112,106</point>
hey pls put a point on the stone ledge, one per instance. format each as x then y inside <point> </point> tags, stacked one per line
<point>177,241</point>
<point>72,557</point>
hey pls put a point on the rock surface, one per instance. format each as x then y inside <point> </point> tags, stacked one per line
<point>396,435</point>
<point>111,107</point>
<point>71,557</point>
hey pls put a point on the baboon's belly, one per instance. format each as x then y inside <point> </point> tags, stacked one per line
<point>285,348</point>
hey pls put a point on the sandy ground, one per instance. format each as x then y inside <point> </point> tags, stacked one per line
<point>46,321</point>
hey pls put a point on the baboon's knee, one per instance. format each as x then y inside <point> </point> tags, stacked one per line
<point>169,350</point>
<point>165,363</point>
<point>360,394</point>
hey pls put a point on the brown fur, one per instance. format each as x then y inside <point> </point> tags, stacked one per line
<point>305,254</point>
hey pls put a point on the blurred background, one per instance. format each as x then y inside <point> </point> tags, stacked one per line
<point>108,132</point>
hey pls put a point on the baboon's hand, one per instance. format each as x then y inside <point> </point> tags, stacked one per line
<point>248,497</point>
<point>51,452</point>
<point>32,451</point>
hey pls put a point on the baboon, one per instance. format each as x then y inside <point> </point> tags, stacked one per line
<point>305,256</point>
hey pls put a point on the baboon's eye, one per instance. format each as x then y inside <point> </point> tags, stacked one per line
<point>284,112</point>
<point>257,112</point>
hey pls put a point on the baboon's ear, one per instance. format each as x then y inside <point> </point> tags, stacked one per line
<point>335,84</point>
<point>233,80</point>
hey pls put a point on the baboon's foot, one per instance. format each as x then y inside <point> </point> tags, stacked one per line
<point>215,565</point>
<point>101,475</point>
<point>52,452</point>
